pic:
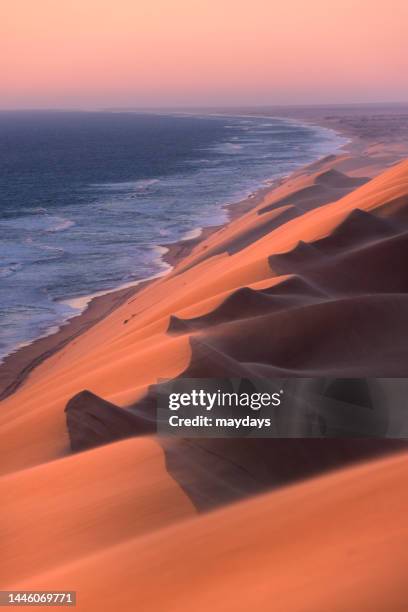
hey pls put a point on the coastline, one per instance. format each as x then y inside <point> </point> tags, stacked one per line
<point>18,365</point>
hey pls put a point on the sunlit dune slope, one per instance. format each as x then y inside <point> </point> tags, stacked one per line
<point>335,543</point>
<point>63,510</point>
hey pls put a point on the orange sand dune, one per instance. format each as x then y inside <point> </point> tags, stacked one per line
<point>307,282</point>
<point>66,509</point>
<point>337,543</point>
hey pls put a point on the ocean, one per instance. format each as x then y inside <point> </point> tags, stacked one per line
<point>88,198</point>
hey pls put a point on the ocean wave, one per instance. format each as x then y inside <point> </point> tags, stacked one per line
<point>228,147</point>
<point>45,247</point>
<point>200,162</point>
<point>60,225</point>
<point>37,223</point>
<point>140,185</point>
<point>192,234</point>
<point>9,270</point>
<point>145,184</point>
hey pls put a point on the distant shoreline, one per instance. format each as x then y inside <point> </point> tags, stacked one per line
<point>18,365</point>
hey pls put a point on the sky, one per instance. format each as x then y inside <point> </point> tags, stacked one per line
<point>139,53</point>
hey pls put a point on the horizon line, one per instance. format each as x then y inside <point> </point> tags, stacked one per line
<point>180,107</point>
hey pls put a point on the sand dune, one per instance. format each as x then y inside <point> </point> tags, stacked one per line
<point>63,510</point>
<point>337,543</point>
<point>339,311</point>
<point>309,281</point>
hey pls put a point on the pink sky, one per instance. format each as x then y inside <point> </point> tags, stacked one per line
<point>99,53</point>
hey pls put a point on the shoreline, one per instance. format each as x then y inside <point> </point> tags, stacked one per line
<point>17,366</point>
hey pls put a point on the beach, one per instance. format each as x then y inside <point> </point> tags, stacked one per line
<point>306,279</point>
